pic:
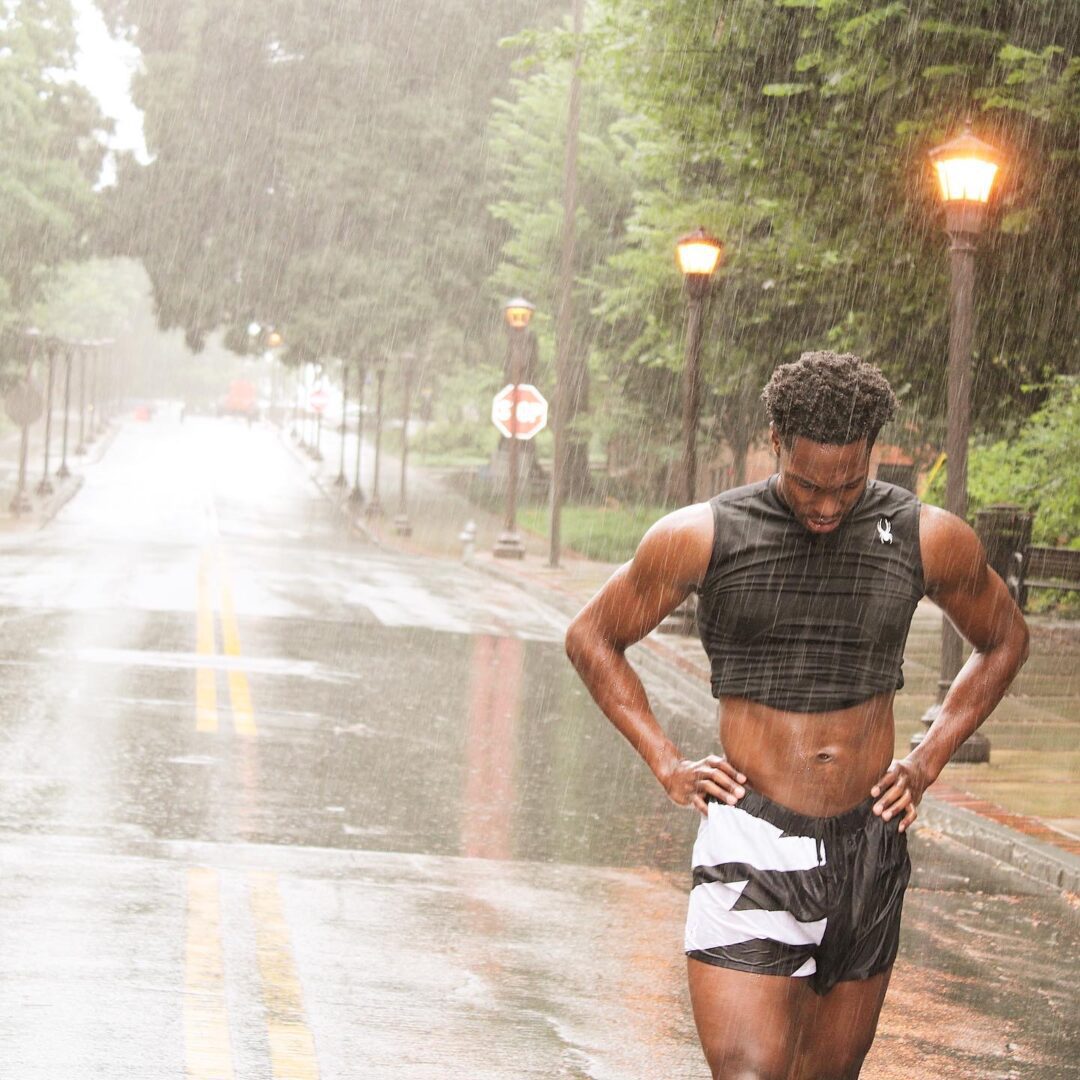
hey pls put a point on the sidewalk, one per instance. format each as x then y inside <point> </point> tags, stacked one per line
<point>1019,808</point>
<point>43,506</point>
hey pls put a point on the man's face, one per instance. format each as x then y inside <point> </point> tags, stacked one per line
<point>820,483</point>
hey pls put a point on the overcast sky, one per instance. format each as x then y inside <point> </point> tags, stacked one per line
<point>105,66</point>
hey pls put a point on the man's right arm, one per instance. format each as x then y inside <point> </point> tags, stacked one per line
<point>670,562</point>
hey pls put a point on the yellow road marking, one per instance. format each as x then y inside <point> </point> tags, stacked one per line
<point>208,1053</point>
<point>239,688</point>
<point>292,1046</point>
<point>211,571</point>
<point>205,679</point>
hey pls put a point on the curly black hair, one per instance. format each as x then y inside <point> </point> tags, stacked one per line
<point>827,397</point>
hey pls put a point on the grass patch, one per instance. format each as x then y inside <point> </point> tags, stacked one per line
<point>607,533</point>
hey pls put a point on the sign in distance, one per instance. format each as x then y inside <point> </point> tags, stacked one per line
<point>529,417</point>
<point>24,403</point>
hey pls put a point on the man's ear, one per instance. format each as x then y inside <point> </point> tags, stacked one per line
<point>774,438</point>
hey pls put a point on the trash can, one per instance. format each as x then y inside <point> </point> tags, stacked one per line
<point>1005,532</point>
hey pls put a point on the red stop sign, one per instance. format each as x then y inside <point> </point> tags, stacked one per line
<point>519,412</point>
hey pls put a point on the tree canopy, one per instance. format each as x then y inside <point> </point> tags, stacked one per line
<point>50,130</point>
<point>319,167</point>
<point>798,131</point>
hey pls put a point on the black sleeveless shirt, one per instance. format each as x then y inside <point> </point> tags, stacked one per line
<point>809,622</point>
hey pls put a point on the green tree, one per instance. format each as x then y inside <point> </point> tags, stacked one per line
<point>318,167</point>
<point>820,113</point>
<point>48,128</point>
<point>1038,468</point>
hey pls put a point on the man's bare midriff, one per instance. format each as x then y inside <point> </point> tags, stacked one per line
<point>815,763</point>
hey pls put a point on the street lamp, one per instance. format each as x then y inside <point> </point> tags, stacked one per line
<point>698,255</point>
<point>23,405</point>
<point>315,450</point>
<point>356,496</point>
<point>966,168</point>
<point>518,313</point>
<point>45,486</point>
<point>402,525</point>
<point>374,507</point>
<point>64,472</point>
<point>340,481</point>
<point>85,349</point>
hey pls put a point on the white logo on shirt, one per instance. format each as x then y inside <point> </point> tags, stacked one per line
<point>884,530</point>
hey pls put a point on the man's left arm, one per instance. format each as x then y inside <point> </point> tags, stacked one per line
<point>975,599</point>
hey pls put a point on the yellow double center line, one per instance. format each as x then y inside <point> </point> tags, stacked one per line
<point>208,1050</point>
<point>206,1016</point>
<point>213,577</point>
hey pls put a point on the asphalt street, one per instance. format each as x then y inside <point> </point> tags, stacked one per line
<point>276,802</point>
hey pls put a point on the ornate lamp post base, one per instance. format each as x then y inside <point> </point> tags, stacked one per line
<point>21,504</point>
<point>374,508</point>
<point>356,497</point>
<point>44,487</point>
<point>63,472</point>
<point>509,545</point>
<point>974,750</point>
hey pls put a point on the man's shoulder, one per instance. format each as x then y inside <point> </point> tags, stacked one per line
<point>883,497</point>
<point>678,545</point>
<point>950,549</point>
<point>744,494</point>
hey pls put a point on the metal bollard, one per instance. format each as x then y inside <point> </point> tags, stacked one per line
<point>467,536</point>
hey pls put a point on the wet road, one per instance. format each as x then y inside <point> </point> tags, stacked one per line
<point>277,803</point>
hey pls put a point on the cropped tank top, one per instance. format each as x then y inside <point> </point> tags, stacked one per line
<point>809,622</point>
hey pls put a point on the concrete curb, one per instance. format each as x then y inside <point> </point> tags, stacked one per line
<point>1033,858</point>
<point>40,516</point>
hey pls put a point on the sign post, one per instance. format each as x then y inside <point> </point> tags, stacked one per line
<point>24,404</point>
<point>520,413</point>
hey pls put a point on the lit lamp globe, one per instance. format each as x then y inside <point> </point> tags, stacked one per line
<point>698,254</point>
<point>518,312</point>
<point>273,339</point>
<point>966,168</point>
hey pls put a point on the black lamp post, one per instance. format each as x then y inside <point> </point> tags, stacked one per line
<point>698,256</point>
<point>317,387</point>
<point>85,348</point>
<point>273,341</point>
<point>24,407</point>
<point>518,313</point>
<point>340,480</point>
<point>374,507</point>
<point>45,486</point>
<point>402,524</point>
<point>966,168</point>
<point>91,375</point>
<point>356,496</point>
<point>64,472</point>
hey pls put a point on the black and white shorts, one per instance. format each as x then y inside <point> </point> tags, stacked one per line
<point>780,893</point>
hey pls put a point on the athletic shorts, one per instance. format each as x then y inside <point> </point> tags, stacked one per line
<point>780,893</point>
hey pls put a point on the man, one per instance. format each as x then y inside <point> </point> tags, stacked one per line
<point>807,583</point>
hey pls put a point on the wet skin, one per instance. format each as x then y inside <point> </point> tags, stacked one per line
<point>815,763</point>
<point>819,763</point>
